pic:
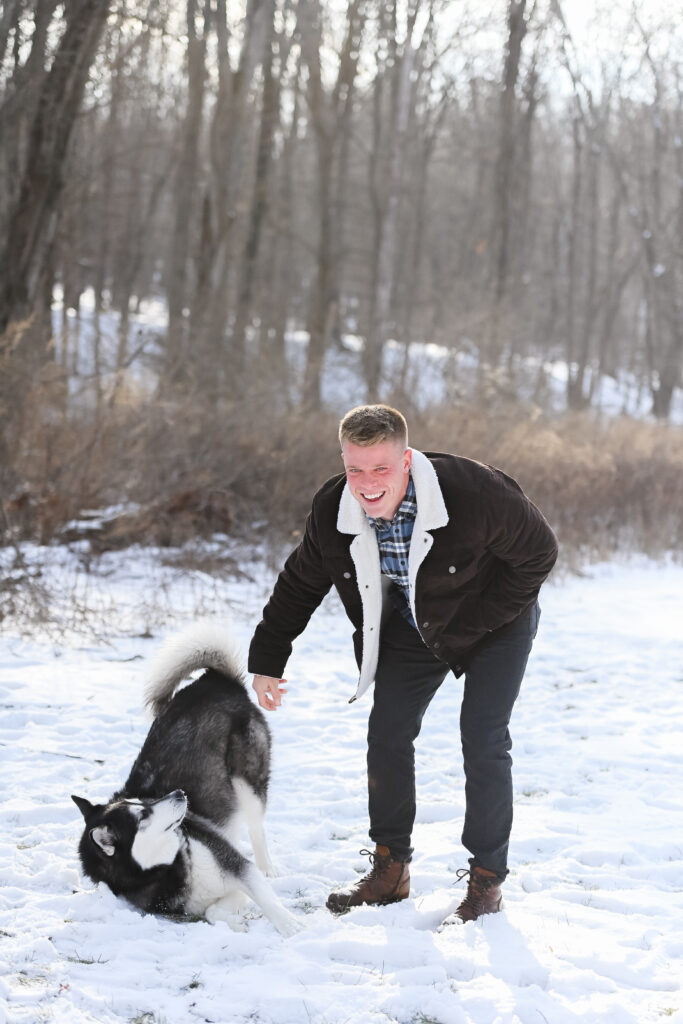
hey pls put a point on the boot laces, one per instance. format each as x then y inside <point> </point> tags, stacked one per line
<point>477,887</point>
<point>378,861</point>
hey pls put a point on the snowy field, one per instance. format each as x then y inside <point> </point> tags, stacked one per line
<point>592,930</point>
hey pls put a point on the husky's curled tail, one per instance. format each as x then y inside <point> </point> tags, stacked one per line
<point>203,645</point>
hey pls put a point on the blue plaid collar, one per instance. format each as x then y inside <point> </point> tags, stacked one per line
<point>405,511</point>
<point>393,540</point>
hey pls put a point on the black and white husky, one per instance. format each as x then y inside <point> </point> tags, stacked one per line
<point>166,841</point>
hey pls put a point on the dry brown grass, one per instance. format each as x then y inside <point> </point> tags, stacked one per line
<point>186,470</point>
<point>605,485</point>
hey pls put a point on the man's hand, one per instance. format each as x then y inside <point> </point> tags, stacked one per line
<point>269,691</point>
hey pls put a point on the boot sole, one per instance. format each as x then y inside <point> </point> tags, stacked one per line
<point>454,919</point>
<point>339,911</point>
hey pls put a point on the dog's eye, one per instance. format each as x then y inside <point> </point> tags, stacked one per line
<point>138,810</point>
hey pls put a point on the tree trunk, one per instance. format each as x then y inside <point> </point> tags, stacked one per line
<point>505,176</point>
<point>228,143</point>
<point>177,285</point>
<point>574,262</point>
<point>281,270</point>
<point>386,255</point>
<point>584,312</point>
<point>23,90</point>
<point>11,10</point>
<point>25,259</point>
<point>270,109</point>
<point>325,115</point>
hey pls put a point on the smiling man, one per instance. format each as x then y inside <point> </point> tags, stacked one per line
<point>377,475</point>
<point>438,561</point>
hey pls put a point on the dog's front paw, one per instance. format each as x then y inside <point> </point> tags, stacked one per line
<point>287,924</point>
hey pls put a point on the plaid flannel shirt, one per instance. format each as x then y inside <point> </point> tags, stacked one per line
<point>393,539</point>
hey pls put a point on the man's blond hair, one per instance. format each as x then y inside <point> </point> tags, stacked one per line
<point>371,424</point>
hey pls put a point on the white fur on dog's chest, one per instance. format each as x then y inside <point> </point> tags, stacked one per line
<point>207,882</point>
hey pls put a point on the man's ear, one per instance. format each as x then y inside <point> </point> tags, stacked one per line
<point>408,456</point>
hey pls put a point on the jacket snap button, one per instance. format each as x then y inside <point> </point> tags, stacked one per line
<point>451,568</point>
<point>425,625</point>
<point>347,575</point>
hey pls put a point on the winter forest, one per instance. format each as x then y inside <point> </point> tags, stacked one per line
<point>222,224</point>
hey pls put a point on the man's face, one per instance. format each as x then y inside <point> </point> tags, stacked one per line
<point>377,475</point>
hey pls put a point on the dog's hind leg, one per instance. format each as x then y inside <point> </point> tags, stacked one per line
<point>234,902</point>
<point>230,909</point>
<point>222,910</point>
<point>253,810</point>
<point>218,869</point>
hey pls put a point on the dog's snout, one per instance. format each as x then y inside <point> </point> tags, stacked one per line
<point>178,796</point>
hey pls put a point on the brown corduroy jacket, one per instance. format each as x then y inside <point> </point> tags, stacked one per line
<point>479,553</point>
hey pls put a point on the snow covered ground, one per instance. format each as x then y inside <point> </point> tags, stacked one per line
<point>593,924</point>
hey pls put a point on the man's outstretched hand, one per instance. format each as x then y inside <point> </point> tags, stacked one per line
<point>269,691</point>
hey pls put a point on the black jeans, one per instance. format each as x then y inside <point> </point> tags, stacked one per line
<point>408,676</point>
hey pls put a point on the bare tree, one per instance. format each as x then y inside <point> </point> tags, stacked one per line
<point>661,251</point>
<point>25,263</point>
<point>22,89</point>
<point>358,168</point>
<point>429,115</point>
<point>224,196</point>
<point>505,175</point>
<point>388,204</point>
<point>327,112</point>
<point>270,113</point>
<point>186,188</point>
<point>280,280</point>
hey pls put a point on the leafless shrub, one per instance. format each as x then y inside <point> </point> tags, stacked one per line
<point>23,595</point>
<point>605,485</point>
<point>177,469</point>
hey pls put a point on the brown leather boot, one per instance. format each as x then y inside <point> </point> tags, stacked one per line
<point>387,882</point>
<point>483,896</point>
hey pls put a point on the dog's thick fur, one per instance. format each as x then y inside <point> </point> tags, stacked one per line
<point>166,840</point>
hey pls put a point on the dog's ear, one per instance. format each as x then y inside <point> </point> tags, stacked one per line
<point>102,837</point>
<point>84,806</point>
